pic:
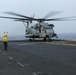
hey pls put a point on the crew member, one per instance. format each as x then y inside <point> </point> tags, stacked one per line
<point>5,41</point>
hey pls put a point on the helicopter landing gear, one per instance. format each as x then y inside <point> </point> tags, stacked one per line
<point>44,39</point>
<point>49,39</point>
<point>30,39</point>
<point>33,39</point>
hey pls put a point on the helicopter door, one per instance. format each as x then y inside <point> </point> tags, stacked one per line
<point>42,34</point>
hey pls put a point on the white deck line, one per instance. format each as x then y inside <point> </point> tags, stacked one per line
<point>34,73</point>
<point>20,64</point>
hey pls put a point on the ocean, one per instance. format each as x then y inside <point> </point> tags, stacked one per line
<point>71,36</point>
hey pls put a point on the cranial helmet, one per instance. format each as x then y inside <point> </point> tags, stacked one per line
<point>5,35</point>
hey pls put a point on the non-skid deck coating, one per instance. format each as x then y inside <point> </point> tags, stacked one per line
<point>38,58</point>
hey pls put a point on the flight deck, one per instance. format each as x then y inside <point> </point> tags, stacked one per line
<point>38,58</point>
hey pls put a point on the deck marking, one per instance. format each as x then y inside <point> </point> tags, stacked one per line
<point>4,53</point>
<point>60,43</point>
<point>20,64</point>
<point>0,51</point>
<point>28,44</point>
<point>39,72</point>
<point>34,73</point>
<point>10,57</point>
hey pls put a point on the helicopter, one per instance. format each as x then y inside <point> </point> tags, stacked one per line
<point>41,29</point>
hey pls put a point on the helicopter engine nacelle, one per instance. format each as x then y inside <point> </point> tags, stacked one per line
<point>55,35</point>
<point>51,25</point>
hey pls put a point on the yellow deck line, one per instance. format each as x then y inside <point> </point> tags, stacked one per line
<point>59,43</point>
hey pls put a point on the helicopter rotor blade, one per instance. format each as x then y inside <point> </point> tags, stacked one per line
<point>61,20</point>
<point>52,14</point>
<point>19,15</point>
<point>13,18</point>
<point>33,15</point>
<point>64,18</point>
<point>54,19</point>
<point>25,21</point>
<point>30,19</point>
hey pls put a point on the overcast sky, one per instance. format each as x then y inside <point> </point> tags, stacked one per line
<point>40,8</point>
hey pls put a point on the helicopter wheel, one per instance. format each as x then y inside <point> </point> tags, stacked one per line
<point>30,39</point>
<point>49,39</point>
<point>44,39</point>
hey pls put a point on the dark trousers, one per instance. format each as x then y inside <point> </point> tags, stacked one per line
<point>5,45</point>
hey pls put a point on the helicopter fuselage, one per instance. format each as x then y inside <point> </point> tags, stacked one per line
<point>40,30</point>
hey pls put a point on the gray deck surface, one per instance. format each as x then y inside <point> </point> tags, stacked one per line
<point>38,58</point>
